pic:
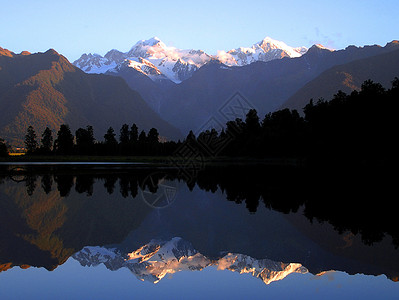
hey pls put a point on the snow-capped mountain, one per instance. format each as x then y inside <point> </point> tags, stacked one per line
<point>158,61</point>
<point>155,260</point>
<point>266,50</point>
<point>150,57</point>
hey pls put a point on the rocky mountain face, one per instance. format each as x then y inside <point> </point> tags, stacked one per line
<point>155,260</point>
<point>159,62</point>
<point>45,89</point>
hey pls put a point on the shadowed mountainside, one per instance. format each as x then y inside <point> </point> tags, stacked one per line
<point>44,89</point>
<point>347,77</point>
<point>264,85</point>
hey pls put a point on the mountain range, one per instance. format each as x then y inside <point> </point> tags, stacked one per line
<point>156,259</point>
<point>173,90</point>
<point>159,62</point>
<point>264,76</point>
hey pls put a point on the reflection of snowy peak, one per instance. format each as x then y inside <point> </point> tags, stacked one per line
<point>265,269</point>
<point>156,259</point>
<point>158,61</point>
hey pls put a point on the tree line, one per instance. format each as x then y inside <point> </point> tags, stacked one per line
<point>359,125</point>
<point>362,125</point>
<point>128,142</point>
<point>332,194</point>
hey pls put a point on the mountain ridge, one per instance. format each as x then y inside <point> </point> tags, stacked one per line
<point>178,65</point>
<point>45,89</point>
<point>263,85</point>
<point>347,77</point>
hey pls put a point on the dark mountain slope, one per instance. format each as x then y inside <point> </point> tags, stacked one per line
<point>347,77</point>
<point>44,89</point>
<point>266,86</point>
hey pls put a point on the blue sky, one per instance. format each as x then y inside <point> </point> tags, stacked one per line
<point>75,27</point>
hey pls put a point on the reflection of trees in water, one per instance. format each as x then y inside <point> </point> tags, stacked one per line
<point>64,183</point>
<point>84,184</point>
<point>354,199</point>
<point>30,182</point>
<point>340,197</point>
<point>109,183</point>
<point>47,183</point>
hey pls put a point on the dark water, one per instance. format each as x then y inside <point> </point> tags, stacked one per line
<point>123,231</point>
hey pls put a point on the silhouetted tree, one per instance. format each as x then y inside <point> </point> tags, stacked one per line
<point>134,134</point>
<point>124,134</point>
<point>110,144</point>
<point>252,126</point>
<point>370,88</point>
<point>30,140</point>
<point>153,136</point>
<point>3,148</point>
<point>191,140</point>
<point>47,140</point>
<point>64,142</point>
<point>124,139</point>
<point>142,137</point>
<point>109,137</point>
<point>85,140</point>
<point>395,83</point>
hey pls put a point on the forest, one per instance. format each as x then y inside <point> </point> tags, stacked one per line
<point>358,126</point>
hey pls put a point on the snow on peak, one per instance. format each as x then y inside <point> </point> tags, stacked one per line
<point>153,58</point>
<point>265,50</point>
<point>150,42</point>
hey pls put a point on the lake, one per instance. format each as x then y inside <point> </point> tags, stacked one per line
<point>123,231</point>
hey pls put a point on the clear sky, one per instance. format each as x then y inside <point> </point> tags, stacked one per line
<point>82,26</point>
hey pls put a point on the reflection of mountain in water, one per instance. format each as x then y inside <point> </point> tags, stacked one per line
<point>43,221</point>
<point>155,260</point>
<point>49,213</point>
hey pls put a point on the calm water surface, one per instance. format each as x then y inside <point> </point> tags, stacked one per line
<point>121,232</point>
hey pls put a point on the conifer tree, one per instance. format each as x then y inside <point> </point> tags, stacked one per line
<point>30,140</point>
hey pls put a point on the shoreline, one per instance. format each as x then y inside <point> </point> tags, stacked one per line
<point>167,161</point>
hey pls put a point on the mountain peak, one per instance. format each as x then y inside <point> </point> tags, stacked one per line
<point>51,51</point>
<point>394,44</point>
<point>25,53</point>
<point>269,40</point>
<point>151,42</point>
<point>6,52</point>
<point>320,46</point>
